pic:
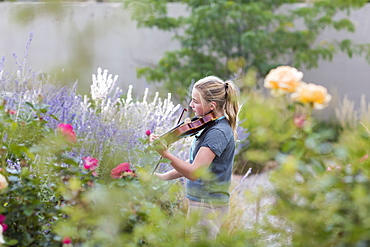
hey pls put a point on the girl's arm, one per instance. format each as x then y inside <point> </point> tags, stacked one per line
<point>192,171</point>
<point>170,175</point>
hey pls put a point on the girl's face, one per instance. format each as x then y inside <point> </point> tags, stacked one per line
<point>197,105</point>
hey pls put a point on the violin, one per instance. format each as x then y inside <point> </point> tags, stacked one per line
<point>188,129</point>
<point>184,129</point>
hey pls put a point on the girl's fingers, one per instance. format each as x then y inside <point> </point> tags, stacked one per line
<point>153,137</point>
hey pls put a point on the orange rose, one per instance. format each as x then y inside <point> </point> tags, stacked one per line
<point>283,80</point>
<point>312,94</point>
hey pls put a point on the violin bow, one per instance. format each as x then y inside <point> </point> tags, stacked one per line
<point>178,121</point>
<point>182,113</point>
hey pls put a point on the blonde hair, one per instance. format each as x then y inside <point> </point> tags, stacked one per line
<point>224,94</point>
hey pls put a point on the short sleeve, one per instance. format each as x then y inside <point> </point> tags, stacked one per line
<point>216,140</point>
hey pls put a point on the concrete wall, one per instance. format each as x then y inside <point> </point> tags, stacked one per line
<point>77,38</point>
<point>344,76</point>
<point>80,37</point>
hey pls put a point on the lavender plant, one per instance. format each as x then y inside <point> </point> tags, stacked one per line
<point>103,123</point>
<point>108,127</point>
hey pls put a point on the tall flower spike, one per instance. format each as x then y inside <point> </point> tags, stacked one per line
<point>102,84</point>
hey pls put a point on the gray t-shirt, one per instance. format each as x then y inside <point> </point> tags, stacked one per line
<point>220,139</point>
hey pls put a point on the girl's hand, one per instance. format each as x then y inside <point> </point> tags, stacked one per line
<point>153,137</point>
<point>157,143</point>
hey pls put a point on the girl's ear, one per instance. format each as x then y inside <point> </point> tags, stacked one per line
<point>213,106</point>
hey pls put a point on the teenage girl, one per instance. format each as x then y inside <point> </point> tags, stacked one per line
<point>208,171</point>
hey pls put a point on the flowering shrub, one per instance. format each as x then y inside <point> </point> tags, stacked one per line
<point>32,160</point>
<point>320,173</point>
<point>284,122</point>
<point>311,96</point>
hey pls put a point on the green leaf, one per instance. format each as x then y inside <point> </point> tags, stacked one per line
<point>30,105</point>
<point>54,117</point>
<point>12,242</point>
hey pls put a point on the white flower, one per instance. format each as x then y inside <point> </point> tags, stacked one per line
<point>2,241</point>
<point>102,85</point>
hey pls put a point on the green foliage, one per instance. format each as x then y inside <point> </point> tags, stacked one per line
<point>31,159</point>
<point>270,126</point>
<point>330,204</point>
<point>135,213</point>
<point>264,34</point>
<point>321,185</point>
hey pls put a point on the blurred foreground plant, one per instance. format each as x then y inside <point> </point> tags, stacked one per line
<point>321,185</point>
<point>33,159</point>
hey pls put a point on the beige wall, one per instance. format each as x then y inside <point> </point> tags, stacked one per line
<point>84,36</point>
<point>345,76</point>
<point>79,38</point>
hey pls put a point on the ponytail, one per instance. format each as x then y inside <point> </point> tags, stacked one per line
<point>231,104</point>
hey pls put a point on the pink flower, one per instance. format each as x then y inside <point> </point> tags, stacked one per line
<point>67,240</point>
<point>122,170</point>
<point>148,132</point>
<point>67,131</point>
<point>13,112</point>
<point>90,163</point>
<point>299,121</point>
<point>2,219</point>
